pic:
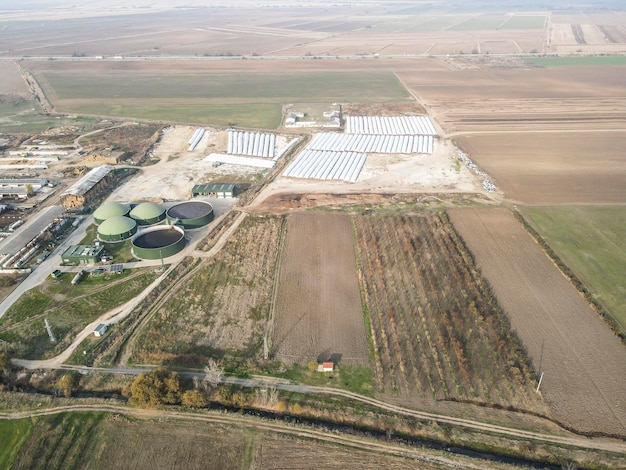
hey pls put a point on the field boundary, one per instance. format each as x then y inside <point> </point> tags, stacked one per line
<point>571,276</point>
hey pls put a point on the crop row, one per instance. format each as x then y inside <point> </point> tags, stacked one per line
<point>436,330</point>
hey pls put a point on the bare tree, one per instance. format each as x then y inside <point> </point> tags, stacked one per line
<point>273,398</point>
<point>213,374</point>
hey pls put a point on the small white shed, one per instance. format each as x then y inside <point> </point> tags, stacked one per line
<point>100,329</point>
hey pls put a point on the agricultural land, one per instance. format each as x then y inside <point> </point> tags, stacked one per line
<point>463,307</point>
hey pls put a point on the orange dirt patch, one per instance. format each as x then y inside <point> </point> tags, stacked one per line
<point>535,168</point>
<point>318,304</point>
<point>584,363</point>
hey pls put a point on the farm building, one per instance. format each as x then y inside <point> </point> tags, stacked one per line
<point>117,229</point>
<point>100,330</point>
<point>82,254</point>
<point>20,188</point>
<point>190,215</point>
<point>148,213</point>
<point>87,187</point>
<point>213,190</point>
<point>110,209</point>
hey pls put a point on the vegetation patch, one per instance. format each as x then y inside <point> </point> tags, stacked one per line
<point>222,309</point>
<point>12,435</point>
<point>68,309</point>
<point>576,61</point>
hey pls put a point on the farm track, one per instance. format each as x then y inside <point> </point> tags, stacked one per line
<point>604,444</point>
<point>165,295</point>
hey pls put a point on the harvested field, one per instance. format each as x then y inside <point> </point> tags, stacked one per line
<point>496,99</point>
<point>318,305</point>
<point>437,332</point>
<point>583,361</point>
<point>558,168</point>
<point>222,309</point>
<point>101,441</point>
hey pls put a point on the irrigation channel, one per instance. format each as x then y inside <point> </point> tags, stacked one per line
<point>388,437</point>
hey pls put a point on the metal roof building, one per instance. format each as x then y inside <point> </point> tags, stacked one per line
<point>214,190</point>
<point>80,192</point>
<point>82,254</point>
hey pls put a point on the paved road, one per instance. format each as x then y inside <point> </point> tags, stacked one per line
<point>43,270</point>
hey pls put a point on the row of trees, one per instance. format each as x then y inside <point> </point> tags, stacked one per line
<point>163,387</point>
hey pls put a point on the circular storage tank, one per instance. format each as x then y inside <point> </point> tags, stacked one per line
<point>158,242</point>
<point>148,213</point>
<point>117,229</point>
<point>110,209</point>
<point>192,214</point>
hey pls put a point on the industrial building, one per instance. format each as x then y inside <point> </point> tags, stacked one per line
<point>109,210</point>
<point>213,190</point>
<point>82,254</point>
<point>158,242</point>
<point>86,188</point>
<point>148,213</point>
<point>190,215</point>
<point>117,229</point>
<point>20,188</point>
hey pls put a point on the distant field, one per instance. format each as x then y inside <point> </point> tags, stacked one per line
<point>591,241</point>
<point>525,22</point>
<point>479,22</point>
<point>251,99</point>
<point>577,61</point>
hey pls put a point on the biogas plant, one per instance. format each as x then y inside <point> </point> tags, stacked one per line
<point>154,231</point>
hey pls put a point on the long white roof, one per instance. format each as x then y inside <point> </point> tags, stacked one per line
<point>88,181</point>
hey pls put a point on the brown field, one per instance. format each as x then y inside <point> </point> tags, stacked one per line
<point>492,99</point>
<point>559,168</point>
<point>318,311</point>
<point>11,80</point>
<point>583,361</point>
<point>223,308</point>
<point>437,332</point>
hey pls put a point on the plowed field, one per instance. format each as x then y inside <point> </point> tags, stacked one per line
<point>318,305</point>
<point>553,167</point>
<point>584,363</point>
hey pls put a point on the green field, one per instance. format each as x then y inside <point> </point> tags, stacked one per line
<point>12,436</point>
<point>24,116</point>
<point>251,99</point>
<point>577,60</point>
<point>591,241</point>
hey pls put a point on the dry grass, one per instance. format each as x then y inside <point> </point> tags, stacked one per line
<point>223,308</point>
